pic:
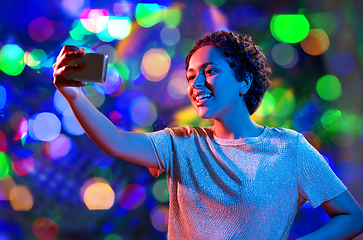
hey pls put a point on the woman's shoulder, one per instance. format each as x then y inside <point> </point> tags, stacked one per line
<point>188,131</point>
<point>282,132</point>
<point>269,132</point>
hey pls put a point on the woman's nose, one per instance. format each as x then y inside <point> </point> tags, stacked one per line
<point>199,81</point>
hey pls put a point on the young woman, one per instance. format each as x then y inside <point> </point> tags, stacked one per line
<point>235,179</point>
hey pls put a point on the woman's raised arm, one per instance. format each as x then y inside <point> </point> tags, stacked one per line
<point>129,146</point>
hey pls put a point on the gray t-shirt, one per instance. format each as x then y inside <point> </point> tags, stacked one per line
<point>247,188</point>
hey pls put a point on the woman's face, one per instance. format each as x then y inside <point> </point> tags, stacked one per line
<point>212,87</point>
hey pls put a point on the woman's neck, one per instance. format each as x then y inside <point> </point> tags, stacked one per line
<point>237,127</point>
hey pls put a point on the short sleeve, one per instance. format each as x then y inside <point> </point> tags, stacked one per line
<point>316,180</point>
<point>161,142</point>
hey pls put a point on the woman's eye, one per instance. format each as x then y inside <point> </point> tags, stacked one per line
<point>209,71</point>
<point>190,78</point>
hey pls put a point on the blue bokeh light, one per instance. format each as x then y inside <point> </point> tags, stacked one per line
<point>59,102</point>
<point>125,102</point>
<point>342,63</point>
<point>70,123</point>
<point>3,97</point>
<point>44,126</point>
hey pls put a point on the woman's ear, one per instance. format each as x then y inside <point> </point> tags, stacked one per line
<point>246,83</point>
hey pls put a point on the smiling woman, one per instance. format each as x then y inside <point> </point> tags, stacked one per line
<point>235,179</point>
<point>243,57</point>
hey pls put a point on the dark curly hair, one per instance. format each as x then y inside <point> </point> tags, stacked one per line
<point>243,56</point>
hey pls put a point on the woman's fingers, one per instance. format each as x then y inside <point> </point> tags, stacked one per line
<point>67,53</point>
<point>68,48</point>
<point>66,57</point>
<point>70,83</point>
<point>67,69</point>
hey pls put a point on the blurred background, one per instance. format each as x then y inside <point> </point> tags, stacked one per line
<point>55,183</point>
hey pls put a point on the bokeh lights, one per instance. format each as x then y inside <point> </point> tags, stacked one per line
<point>45,229</point>
<point>70,123</point>
<point>6,184</point>
<point>73,6</point>
<point>12,59</point>
<point>267,105</point>
<point>44,126</point>
<point>3,97</point>
<point>94,20</point>
<point>131,196</point>
<point>342,63</point>
<point>329,87</point>
<point>35,59</point>
<point>290,28</point>
<point>155,64</point>
<point>284,55</point>
<point>23,166</point>
<point>4,165</point>
<point>40,29</point>
<point>170,36</point>
<point>99,196</point>
<point>55,183</point>
<point>21,199</point>
<point>59,147</point>
<point>119,28</point>
<point>160,191</point>
<point>159,218</point>
<point>149,14</point>
<point>3,142</point>
<point>316,43</point>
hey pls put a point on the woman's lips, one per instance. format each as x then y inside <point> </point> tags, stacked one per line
<point>202,101</point>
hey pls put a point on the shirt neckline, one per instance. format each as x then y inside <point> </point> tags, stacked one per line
<point>240,141</point>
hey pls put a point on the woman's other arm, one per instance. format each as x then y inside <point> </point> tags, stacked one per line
<point>129,146</point>
<point>346,219</point>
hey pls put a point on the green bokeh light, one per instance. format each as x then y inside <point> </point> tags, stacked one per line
<point>326,21</point>
<point>214,3</point>
<point>12,59</point>
<point>78,32</point>
<point>112,236</point>
<point>105,36</point>
<point>329,88</point>
<point>133,69</point>
<point>351,124</point>
<point>284,102</point>
<point>267,105</point>
<point>186,44</point>
<point>290,28</point>
<point>149,14</point>
<point>104,173</point>
<point>4,165</point>
<point>173,17</point>
<point>38,55</point>
<point>160,191</point>
<point>171,51</point>
<point>123,70</point>
<point>331,120</point>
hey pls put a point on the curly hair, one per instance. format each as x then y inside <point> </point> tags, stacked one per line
<point>244,57</point>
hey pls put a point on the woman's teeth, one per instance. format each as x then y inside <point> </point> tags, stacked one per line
<point>203,96</point>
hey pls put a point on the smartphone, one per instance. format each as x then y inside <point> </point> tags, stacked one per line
<point>96,68</point>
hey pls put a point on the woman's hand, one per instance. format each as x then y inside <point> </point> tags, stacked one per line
<point>69,88</point>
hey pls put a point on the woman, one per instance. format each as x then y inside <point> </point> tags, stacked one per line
<point>235,179</point>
